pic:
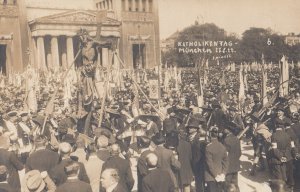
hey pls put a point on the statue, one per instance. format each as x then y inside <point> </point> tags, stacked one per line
<point>89,52</point>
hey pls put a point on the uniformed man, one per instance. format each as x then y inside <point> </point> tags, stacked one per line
<point>281,156</point>
<point>216,162</point>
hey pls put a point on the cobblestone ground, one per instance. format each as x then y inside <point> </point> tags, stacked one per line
<point>247,183</point>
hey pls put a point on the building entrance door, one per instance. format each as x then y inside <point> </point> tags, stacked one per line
<point>139,56</point>
<point>3,58</point>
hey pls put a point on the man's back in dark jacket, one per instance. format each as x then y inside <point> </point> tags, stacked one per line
<point>216,160</point>
<point>124,170</point>
<point>74,185</point>
<point>158,180</point>
<point>233,146</point>
<point>59,176</point>
<point>42,160</point>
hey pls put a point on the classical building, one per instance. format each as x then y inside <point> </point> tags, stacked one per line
<point>43,32</point>
<point>292,39</point>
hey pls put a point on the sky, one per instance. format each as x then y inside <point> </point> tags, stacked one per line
<point>235,16</point>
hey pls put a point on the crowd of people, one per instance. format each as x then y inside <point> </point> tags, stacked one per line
<point>177,145</point>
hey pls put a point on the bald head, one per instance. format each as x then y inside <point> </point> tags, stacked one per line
<point>115,149</point>
<point>151,160</point>
<point>109,177</point>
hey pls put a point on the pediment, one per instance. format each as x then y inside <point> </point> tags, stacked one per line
<point>75,17</point>
<point>69,17</point>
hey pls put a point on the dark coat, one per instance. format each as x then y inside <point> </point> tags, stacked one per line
<point>142,169</point>
<point>13,165</point>
<point>198,156</point>
<point>283,141</point>
<point>124,170</point>
<point>167,161</point>
<point>42,160</point>
<point>5,187</point>
<point>158,180</point>
<point>216,160</point>
<point>74,186</point>
<point>120,188</point>
<point>184,151</point>
<point>233,146</point>
<point>59,176</point>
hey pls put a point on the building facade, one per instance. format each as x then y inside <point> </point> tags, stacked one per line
<point>291,39</point>
<point>43,32</point>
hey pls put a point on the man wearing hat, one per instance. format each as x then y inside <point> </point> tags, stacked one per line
<point>281,154</point>
<point>198,144</point>
<point>36,181</point>
<point>233,146</point>
<point>166,158</point>
<point>73,183</point>
<point>184,150</point>
<point>235,121</point>
<point>41,159</point>
<point>11,162</point>
<point>4,186</point>
<point>216,162</point>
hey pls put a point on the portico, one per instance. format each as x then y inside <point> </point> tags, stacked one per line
<point>54,40</point>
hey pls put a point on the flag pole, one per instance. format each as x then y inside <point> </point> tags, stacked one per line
<point>49,108</point>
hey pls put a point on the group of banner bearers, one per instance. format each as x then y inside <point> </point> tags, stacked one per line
<point>187,137</point>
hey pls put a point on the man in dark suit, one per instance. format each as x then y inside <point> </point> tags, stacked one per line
<point>233,146</point>
<point>167,159</point>
<point>110,181</point>
<point>198,144</point>
<point>158,180</point>
<point>41,159</point>
<point>10,160</point>
<point>281,155</point>
<point>73,184</point>
<point>58,174</point>
<point>216,162</point>
<point>142,169</point>
<point>4,186</point>
<point>184,151</point>
<point>120,164</point>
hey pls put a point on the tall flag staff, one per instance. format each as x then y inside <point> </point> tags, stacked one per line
<point>264,82</point>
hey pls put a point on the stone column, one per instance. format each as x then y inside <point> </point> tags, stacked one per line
<point>41,53</point>
<point>99,58</point>
<point>70,50</point>
<point>147,6</point>
<point>133,5</point>
<point>55,53</point>
<point>105,57</point>
<point>33,54</point>
<point>140,5</point>
<point>126,5</point>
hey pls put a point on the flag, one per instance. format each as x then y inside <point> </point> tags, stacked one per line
<point>135,102</point>
<point>50,106</point>
<point>232,67</point>
<point>200,99</point>
<point>284,77</point>
<point>241,90</point>
<point>264,83</point>
<point>222,81</point>
<point>153,87</point>
<point>31,100</point>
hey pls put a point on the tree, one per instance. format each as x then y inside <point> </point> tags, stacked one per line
<point>258,41</point>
